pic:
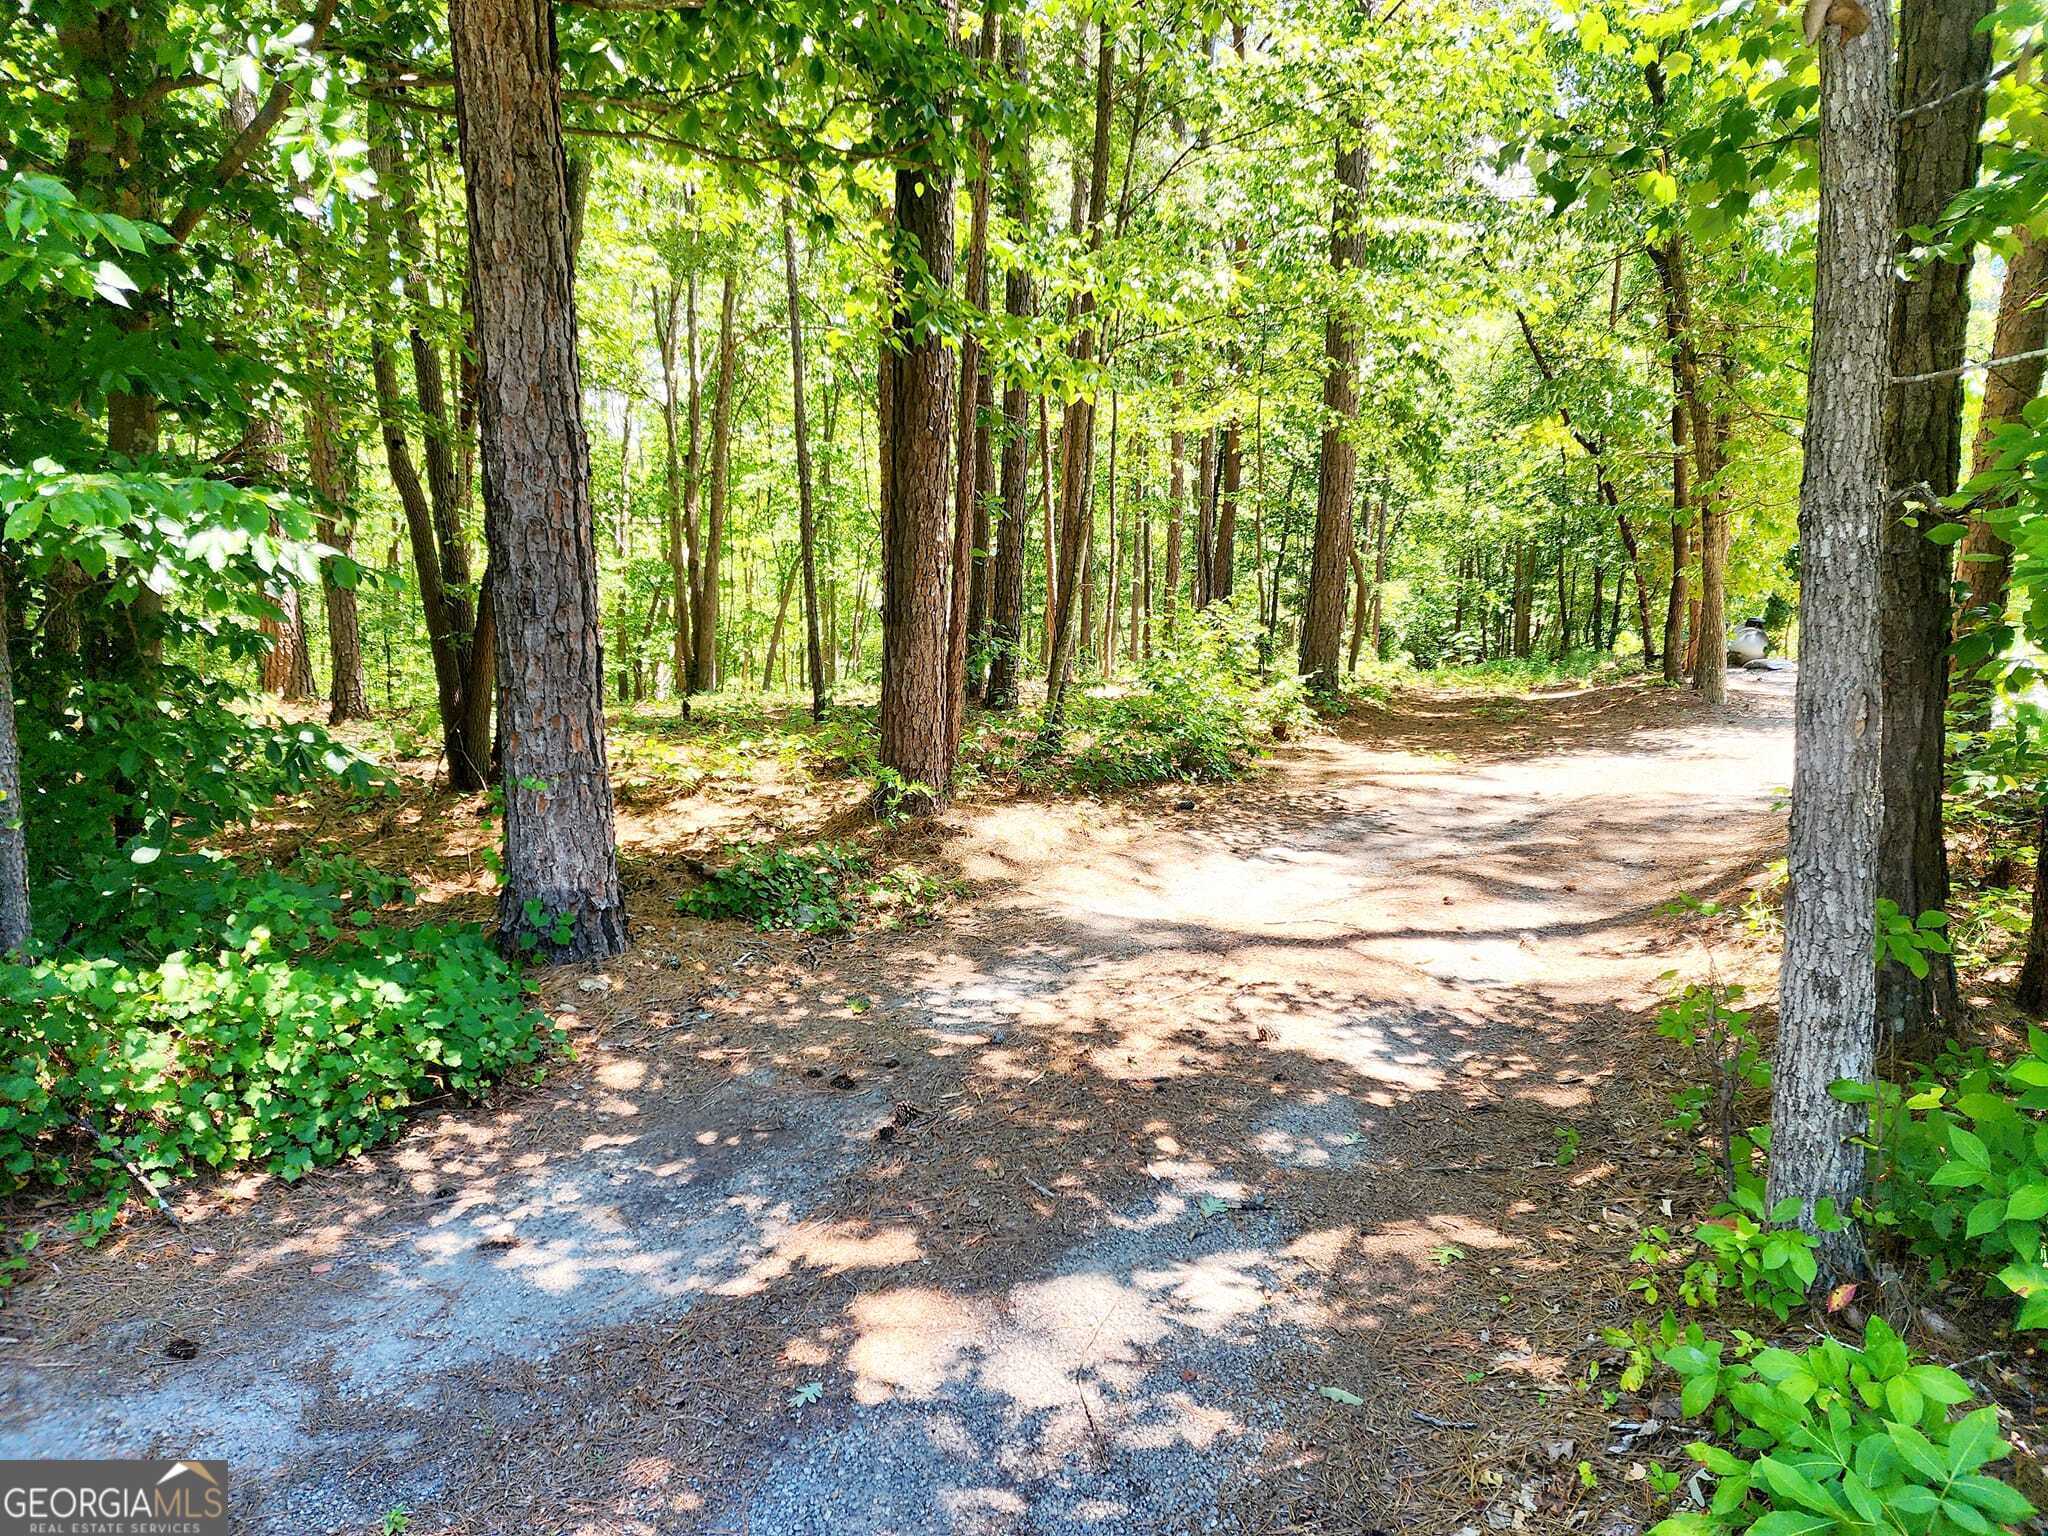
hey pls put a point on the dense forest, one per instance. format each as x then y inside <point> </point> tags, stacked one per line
<point>463,410</point>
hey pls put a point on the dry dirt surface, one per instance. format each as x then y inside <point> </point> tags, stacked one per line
<point>1058,1215</point>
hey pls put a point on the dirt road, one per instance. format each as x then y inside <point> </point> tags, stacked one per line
<point>1056,1216</point>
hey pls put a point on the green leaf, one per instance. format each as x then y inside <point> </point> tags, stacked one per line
<point>2028,1203</point>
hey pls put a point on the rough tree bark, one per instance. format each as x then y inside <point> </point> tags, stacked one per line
<point>560,896</point>
<point>917,422</point>
<point>1941,50</point>
<point>1827,992</point>
<point>1322,619</point>
<point>1983,558</point>
<point>1020,303</point>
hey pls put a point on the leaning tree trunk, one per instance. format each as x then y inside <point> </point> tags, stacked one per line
<point>1984,559</point>
<point>1828,988</point>
<point>916,441</point>
<point>560,896</point>
<point>1322,619</point>
<point>1941,50</point>
<point>1020,304</point>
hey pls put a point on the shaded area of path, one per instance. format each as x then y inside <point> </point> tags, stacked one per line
<point>1054,1217</point>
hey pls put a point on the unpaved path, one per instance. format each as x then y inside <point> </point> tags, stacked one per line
<point>1050,1218</point>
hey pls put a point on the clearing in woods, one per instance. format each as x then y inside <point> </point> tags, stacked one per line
<point>1054,1216</point>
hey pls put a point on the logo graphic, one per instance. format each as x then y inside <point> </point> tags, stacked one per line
<point>113,1498</point>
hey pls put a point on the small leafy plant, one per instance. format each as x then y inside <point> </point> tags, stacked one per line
<point>825,888</point>
<point>802,888</point>
<point>1769,1263</point>
<point>1838,1441</point>
<point>1962,1168</point>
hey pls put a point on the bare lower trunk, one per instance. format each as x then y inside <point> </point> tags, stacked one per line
<point>1322,619</point>
<point>1983,559</point>
<point>1020,304</point>
<point>807,532</point>
<point>1079,436</point>
<point>2032,992</point>
<point>1176,510</point>
<point>704,607</point>
<point>1826,1027</point>
<point>968,489</point>
<point>560,898</point>
<point>1941,51</point>
<point>916,440</point>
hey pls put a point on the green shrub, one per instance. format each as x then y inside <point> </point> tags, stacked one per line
<point>299,1034</point>
<point>1204,710</point>
<point>1836,1439</point>
<point>804,889</point>
<point>822,889</point>
<point>1769,1262</point>
<point>1962,1170</point>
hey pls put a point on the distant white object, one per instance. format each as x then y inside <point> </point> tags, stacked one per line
<point>1748,643</point>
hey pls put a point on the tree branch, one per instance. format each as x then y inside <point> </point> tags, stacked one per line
<point>1970,367</point>
<point>1982,83</point>
<point>249,140</point>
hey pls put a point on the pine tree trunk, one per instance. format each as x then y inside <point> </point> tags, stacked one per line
<point>1941,50</point>
<point>1322,619</point>
<point>1223,576</point>
<point>916,441</point>
<point>1984,560</point>
<point>560,898</point>
<point>1827,991</point>
<point>1361,603</point>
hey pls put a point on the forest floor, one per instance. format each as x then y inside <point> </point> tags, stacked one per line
<point>1051,1215</point>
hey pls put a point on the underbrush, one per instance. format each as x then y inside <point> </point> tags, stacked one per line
<point>1204,708</point>
<point>1511,674</point>
<point>274,1018</point>
<point>1201,712</point>
<point>825,888</point>
<point>1837,1437</point>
